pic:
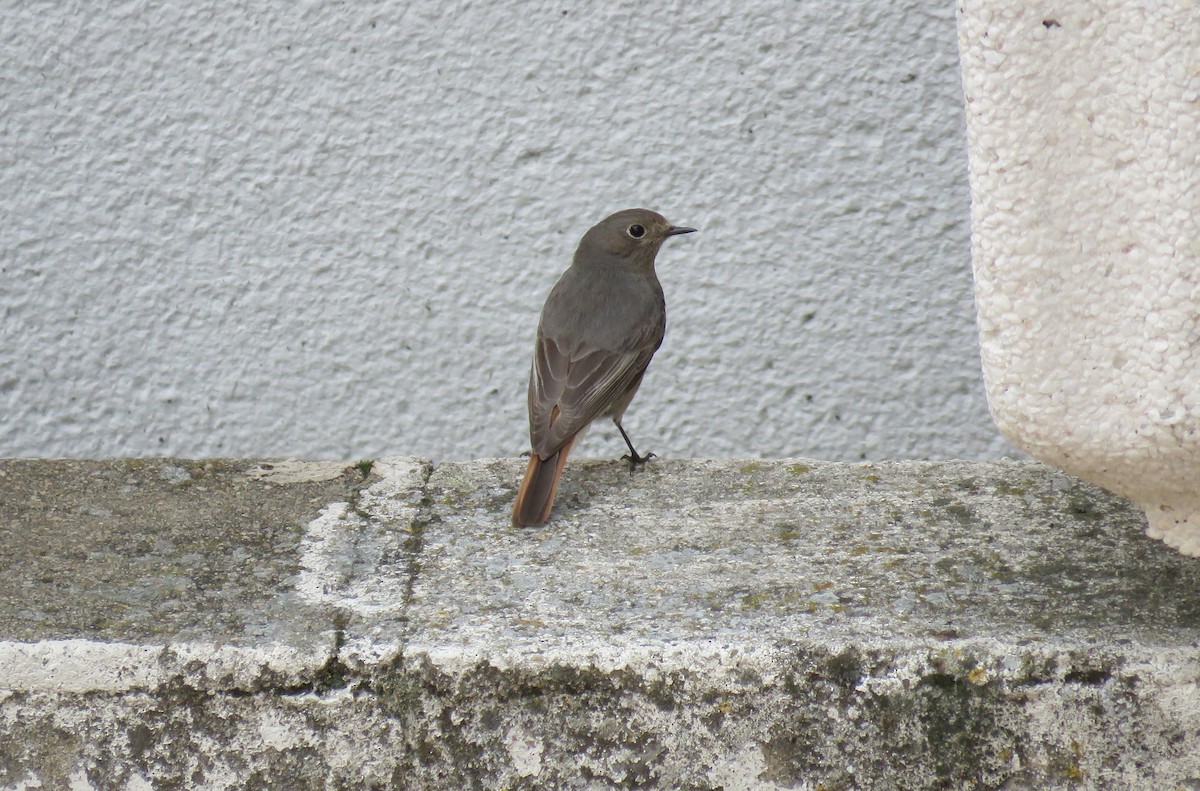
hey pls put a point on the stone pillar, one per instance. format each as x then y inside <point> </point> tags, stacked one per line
<point>1083,121</point>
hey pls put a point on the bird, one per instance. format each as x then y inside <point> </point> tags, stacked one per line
<point>599,328</point>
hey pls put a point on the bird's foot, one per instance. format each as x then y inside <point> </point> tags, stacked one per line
<point>636,461</point>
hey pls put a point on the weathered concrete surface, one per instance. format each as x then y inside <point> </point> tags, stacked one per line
<point>702,624</point>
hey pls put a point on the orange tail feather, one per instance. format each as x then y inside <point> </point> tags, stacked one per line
<point>535,498</point>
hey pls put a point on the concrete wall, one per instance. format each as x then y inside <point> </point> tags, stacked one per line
<point>327,229</point>
<point>720,624</point>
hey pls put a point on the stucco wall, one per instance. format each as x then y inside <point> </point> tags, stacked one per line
<point>327,229</point>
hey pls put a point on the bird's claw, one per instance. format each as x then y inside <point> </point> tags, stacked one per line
<point>636,461</point>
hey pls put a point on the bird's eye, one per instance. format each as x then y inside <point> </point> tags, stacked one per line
<point>636,231</point>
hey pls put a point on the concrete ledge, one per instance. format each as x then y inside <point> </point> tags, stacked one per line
<point>702,624</point>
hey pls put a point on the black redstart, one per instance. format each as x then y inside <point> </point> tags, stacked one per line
<point>600,326</point>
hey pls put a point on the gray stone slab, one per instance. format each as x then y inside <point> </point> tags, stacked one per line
<point>701,624</point>
<point>744,624</point>
<point>707,549</point>
<point>149,550</point>
<point>229,575</point>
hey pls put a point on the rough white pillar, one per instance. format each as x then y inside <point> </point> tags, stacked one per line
<point>1083,119</point>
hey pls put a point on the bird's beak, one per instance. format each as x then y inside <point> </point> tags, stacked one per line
<point>678,229</point>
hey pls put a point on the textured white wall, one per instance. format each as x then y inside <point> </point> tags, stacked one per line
<point>326,229</point>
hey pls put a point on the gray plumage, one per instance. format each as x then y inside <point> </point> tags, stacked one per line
<point>599,328</point>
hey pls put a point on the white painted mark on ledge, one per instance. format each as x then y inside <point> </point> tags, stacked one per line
<point>355,557</point>
<point>296,471</point>
<point>327,554</point>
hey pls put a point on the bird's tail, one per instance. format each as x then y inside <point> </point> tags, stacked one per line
<point>535,498</point>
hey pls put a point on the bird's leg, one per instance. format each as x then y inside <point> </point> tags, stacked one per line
<point>632,456</point>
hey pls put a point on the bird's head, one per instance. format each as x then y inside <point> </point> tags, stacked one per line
<point>630,234</point>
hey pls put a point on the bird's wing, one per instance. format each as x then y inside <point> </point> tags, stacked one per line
<point>566,394</point>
